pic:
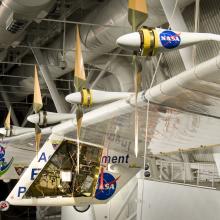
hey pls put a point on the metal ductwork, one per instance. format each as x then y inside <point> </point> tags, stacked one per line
<point>122,70</point>
<point>101,39</point>
<point>15,15</point>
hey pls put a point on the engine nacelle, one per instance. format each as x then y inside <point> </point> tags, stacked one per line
<point>148,42</point>
<point>89,97</point>
<point>14,130</point>
<point>46,118</point>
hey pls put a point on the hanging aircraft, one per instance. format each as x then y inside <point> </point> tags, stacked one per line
<point>72,169</point>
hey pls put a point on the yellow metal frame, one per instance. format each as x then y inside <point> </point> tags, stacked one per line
<point>150,41</point>
<point>146,41</point>
<point>86,97</point>
<point>156,41</point>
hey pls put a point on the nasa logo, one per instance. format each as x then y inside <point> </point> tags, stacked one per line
<point>169,39</point>
<point>4,166</point>
<point>109,187</point>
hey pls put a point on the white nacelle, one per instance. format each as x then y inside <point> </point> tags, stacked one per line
<point>15,131</point>
<point>44,118</point>
<point>97,96</point>
<point>162,40</point>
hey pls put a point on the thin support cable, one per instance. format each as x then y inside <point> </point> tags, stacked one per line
<point>197,13</point>
<point>64,33</point>
<point>92,51</point>
<point>174,10</point>
<point>147,114</point>
<point>82,23</point>
<point>152,82</point>
<point>146,131</point>
<point>148,106</point>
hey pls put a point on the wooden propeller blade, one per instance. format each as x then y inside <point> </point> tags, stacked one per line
<point>7,123</point>
<point>137,13</point>
<point>137,80</point>
<point>37,102</point>
<point>80,76</point>
<point>136,131</point>
<point>37,137</point>
<point>79,117</point>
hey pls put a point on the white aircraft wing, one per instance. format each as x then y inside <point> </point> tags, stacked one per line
<point>51,178</point>
<point>184,112</point>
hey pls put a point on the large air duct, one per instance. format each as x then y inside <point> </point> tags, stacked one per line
<point>15,15</point>
<point>99,40</point>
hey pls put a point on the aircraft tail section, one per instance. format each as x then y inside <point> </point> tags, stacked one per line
<point>52,177</point>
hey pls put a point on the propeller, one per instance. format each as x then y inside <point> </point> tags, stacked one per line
<point>137,15</point>
<point>7,130</point>
<point>37,106</point>
<point>7,123</point>
<point>79,84</point>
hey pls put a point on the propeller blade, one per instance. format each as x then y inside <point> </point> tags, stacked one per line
<point>7,123</point>
<point>37,106</point>
<point>37,137</point>
<point>137,13</point>
<point>136,133</point>
<point>79,116</point>
<point>79,83</point>
<point>137,80</point>
<point>37,102</point>
<point>80,76</point>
